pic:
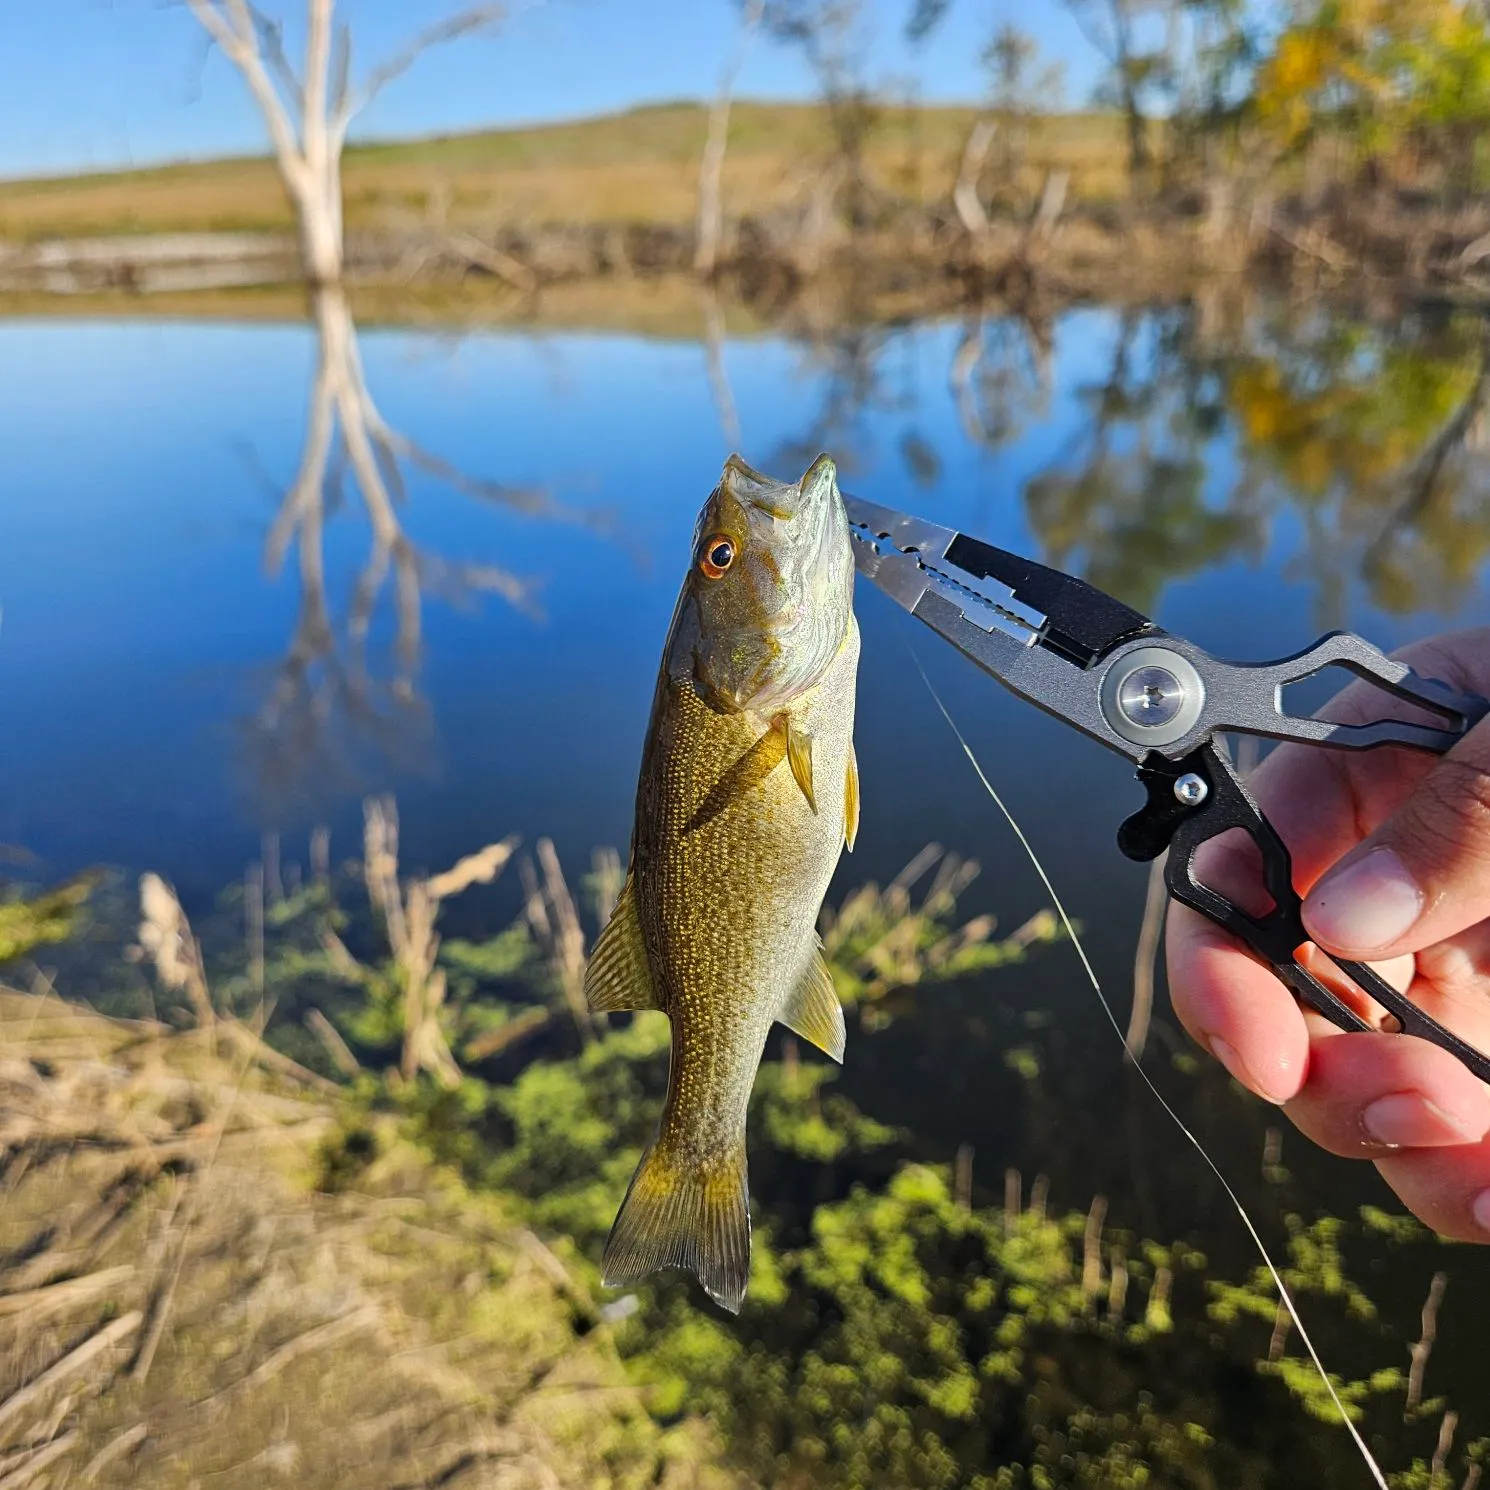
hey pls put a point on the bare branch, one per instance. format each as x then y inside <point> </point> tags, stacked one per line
<point>341,70</point>
<point>271,35</point>
<point>464,23</point>
<point>230,24</point>
<point>314,129</point>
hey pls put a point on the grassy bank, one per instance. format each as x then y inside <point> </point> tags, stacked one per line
<point>190,1295</point>
<point>636,167</point>
<point>215,1260</point>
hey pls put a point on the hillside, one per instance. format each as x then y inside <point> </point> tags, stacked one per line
<point>636,167</point>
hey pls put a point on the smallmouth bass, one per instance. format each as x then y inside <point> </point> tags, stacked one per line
<point>748,793</point>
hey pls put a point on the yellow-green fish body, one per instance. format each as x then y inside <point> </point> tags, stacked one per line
<point>747,796</point>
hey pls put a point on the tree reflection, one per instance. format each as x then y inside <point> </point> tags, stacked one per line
<point>1204,432</point>
<point>1129,509</point>
<point>330,703</point>
<point>1196,444</point>
<point>848,366</point>
<point>1000,377</point>
<point>1370,436</point>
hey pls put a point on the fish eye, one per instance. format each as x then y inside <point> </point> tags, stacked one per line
<point>718,554</point>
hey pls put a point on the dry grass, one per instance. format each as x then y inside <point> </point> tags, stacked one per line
<point>179,1307</point>
<point>638,167</point>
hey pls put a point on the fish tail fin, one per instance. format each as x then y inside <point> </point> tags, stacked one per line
<point>685,1218</point>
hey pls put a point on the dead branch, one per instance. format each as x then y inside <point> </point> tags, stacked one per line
<point>34,1464</point>
<point>1424,1346</point>
<point>1282,1324</point>
<point>1091,1255</point>
<point>1155,909</point>
<point>39,1301</point>
<point>1446,1427</point>
<point>965,195</point>
<point>453,28</point>
<point>72,1364</point>
<point>258,1050</point>
<point>518,1028</point>
<point>1117,1291</point>
<point>318,1337</point>
<point>165,935</point>
<point>554,921</point>
<point>1313,243</point>
<point>116,1448</point>
<point>711,167</point>
<point>474,869</point>
<point>1048,213</point>
<point>962,1177</point>
<point>337,1048</point>
<point>487,256</point>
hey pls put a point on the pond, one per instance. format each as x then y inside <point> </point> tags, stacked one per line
<point>1249,477</point>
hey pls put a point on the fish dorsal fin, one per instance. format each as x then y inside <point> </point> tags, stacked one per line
<point>618,976</point>
<point>851,800</point>
<point>812,1009</point>
<point>799,756</point>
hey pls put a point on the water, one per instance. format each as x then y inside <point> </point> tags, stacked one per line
<point>1247,480</point>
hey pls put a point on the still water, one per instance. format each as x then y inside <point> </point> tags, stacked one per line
<point>1248,483</point>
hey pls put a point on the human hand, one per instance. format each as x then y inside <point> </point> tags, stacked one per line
<point>1391,848</point>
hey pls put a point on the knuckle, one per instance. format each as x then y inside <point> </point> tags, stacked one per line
<point>1450,816</point>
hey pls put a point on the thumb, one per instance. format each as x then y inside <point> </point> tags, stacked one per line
<point>1424,875</point>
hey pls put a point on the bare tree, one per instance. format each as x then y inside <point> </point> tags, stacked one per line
<point>711,169</point>
<point>828,33</point>
<point>1112,26</point>
<point>1016,92</point>
<point>307,113</point>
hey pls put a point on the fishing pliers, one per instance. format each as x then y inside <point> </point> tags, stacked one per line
<point>1156,698</point>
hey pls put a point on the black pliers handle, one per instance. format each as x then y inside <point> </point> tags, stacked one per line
<point>1112,673</point>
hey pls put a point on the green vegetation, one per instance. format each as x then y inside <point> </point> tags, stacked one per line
<point>895,1330</point>
<point>40,920</point>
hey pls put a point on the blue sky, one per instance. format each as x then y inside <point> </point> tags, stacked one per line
<point>100,83</point>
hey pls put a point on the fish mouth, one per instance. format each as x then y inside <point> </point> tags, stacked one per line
<point>781,500</point>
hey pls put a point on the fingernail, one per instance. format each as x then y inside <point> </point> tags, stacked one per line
<point>1406,1120</point>
<point>1364,906</point>
<point>1482,1210</point>
<point>1228,1057</point>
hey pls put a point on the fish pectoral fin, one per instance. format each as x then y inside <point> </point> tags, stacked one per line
<point>677,1216</point>
<point>851,800</point>
<point>812,1009</point>
<point>618,976</point>
<point>799,755</point>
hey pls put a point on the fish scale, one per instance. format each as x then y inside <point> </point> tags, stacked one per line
<point>748,792</point>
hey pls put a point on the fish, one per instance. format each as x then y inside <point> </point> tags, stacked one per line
<point>748,794</point>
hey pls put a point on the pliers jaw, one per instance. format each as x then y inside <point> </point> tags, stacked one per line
<point>1110,672</point>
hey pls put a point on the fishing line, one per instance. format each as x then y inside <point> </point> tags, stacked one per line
<point>1148,1081</point>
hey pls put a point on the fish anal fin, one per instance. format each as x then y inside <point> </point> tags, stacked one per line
<point>677,1216</point>
<point>799,756</point>
<point>618,976</point>
<point>851,800</point>
<point>812,1009</point>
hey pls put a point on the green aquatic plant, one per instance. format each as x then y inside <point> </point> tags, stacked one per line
<point>894,1332</point>
<point>883,943</point>
<point>28,922</point>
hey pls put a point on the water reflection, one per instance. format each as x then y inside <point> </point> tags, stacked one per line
<point>1304,468</point>
<point>1001,377</point>
<point>1367,436</point>
<point>327,699</point>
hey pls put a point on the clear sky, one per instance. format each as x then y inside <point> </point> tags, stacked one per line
<point>101,83</point>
